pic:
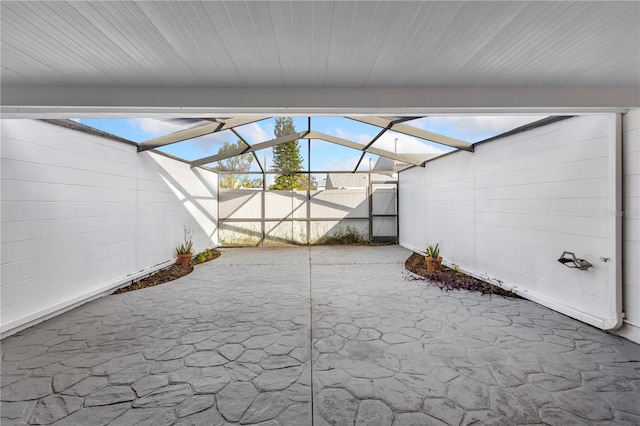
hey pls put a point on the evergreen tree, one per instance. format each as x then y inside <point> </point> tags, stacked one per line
<point>240,163</point>
<point>287,158</point>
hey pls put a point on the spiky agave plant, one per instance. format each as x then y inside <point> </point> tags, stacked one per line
<point>187,244</point>
<point>433,251</point>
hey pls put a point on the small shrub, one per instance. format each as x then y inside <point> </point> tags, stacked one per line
<point>345,236</point>
<point>205,256</point>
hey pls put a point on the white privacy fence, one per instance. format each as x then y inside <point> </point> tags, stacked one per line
<point>254,216</point>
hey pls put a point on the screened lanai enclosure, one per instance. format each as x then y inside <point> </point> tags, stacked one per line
<point>91,205</point>
<point>118,193</point>
<point>504,204</point>
<point>303,180</point>
<point>320,147</point>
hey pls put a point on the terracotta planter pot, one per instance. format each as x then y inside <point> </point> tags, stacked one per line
<point>184,259</point>
<point>433,265</point>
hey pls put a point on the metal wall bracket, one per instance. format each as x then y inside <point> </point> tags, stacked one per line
<point>570,260</point>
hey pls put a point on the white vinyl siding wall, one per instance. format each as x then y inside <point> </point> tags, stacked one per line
<point>631,223</point>
<point>510,209</point>
<point>82,214</point>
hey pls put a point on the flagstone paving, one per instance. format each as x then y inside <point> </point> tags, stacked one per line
<point>324,336</point>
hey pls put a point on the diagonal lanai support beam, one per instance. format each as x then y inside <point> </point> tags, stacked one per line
<point>253,148</point>
<point>247,144</point>
<point>378,136</point>
<point>413,131</point>
<point>195,132</point>
<point>415,159</point>
<point>179,136</point>
<point>230,123</point>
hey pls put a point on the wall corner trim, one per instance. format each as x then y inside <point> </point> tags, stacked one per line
<point>614,324</point>
<point>615,220</point>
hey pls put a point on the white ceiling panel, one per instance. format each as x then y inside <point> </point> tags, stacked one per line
<point>321,44</point>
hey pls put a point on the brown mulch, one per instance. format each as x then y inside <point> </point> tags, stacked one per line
<point>171,273</point>
<point>418,265</point>
<point>451,279</point>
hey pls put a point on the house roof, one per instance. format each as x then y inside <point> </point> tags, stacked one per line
<point>347,180</point>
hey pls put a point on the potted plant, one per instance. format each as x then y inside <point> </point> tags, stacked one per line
<point>184,250</point>
<point>433,258</point>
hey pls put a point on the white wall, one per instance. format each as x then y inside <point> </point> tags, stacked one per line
<point>512,207</point>
<point>631,223</point>
<point>82,214</point>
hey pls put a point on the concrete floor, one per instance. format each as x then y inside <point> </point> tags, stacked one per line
<point>258,334</point>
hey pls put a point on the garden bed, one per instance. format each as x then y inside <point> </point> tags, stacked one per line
<point>171,273</point>
<point>452,279</point>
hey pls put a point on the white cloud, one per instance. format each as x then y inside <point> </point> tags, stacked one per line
<point>214,141</point>
<point>361,138</point>
<point>406,145</point>
<point>340,163</point>
<point>154,127</point>
<point>473,128</point>
<point>254,133</point>
<point>210,143</point>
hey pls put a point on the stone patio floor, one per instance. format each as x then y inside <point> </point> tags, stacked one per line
<point>321,335</point>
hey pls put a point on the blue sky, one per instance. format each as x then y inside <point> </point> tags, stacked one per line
<point>325,156</point>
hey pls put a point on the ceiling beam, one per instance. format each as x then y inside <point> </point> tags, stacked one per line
<point>196,102</point>
<point>371,119</point>
<point>230,123</point>
<point>253,148</point>
<point>396,120</point>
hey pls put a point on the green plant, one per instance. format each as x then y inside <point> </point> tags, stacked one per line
<point>187,245</point>
<point>448,279</point>
<point>349,235</point>
<point>433,251</point>
<point>287,158</point>
<point>205,256</point>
